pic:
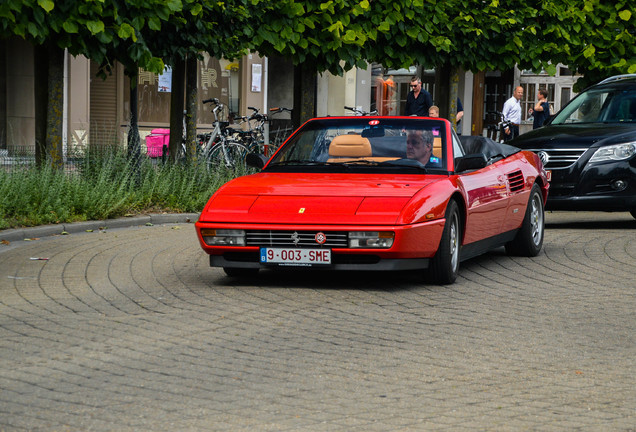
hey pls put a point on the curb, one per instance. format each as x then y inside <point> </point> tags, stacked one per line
<point>12,235</point>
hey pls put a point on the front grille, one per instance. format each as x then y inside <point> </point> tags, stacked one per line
<point>515,179</point>
<point>560,158</point>
<point>335,239</point>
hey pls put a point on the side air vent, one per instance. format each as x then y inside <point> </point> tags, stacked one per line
<point>515,180</point>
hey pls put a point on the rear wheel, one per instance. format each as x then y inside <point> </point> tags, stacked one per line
<point>445,264</point>
<point>529,239</point>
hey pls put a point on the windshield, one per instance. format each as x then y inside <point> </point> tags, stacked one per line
<point>614,104</point>
<point>363,142</point>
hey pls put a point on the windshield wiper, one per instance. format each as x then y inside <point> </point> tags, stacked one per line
<point>357,162</point>
<point>410,163</point>
<point>296,162</point>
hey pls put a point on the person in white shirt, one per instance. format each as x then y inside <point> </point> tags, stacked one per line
<point>512,113</point>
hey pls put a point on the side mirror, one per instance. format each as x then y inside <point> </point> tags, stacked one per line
<point>471,162</point>
<point>256,160</point>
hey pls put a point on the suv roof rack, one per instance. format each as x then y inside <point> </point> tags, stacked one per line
<point>618,78</point>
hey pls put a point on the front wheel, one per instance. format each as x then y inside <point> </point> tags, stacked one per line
<point>444,266</point>
<point>529,239</point>
<point>229,154</point>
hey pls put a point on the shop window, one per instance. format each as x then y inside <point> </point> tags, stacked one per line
<point>154,99</point>
<point>216,79</point>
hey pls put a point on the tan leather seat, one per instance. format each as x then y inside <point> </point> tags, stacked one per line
<point>437,147</point>
<point>350,146</point>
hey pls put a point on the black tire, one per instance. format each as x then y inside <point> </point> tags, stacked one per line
<point>633,213</point>
<point>529,239</point>
<point>240,272</point>
<point>444,266</point>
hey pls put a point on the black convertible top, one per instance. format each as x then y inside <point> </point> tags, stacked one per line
<point>474,144</point>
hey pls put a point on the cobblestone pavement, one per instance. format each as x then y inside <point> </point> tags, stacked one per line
<point>130,329</point>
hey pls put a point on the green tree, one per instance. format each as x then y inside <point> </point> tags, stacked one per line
<point>597,39</point>
<point>103,32</point>
<point>594,37</point>
<point>222,29</point>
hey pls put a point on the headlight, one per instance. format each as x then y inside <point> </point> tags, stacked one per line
<point>223,237</point>
<point>371,239</point>
<point>614,152</point>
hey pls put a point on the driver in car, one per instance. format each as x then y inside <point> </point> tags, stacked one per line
<point>419,146</point>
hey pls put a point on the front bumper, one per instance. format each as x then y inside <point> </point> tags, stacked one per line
<point>412,248</point>
<point>594,188</point>
<point>340,262</point>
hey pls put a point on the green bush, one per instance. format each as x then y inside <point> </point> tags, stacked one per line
<point>103,185</point>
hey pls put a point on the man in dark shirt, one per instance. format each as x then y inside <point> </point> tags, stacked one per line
<point>541,110</point>
<point>418,100</point>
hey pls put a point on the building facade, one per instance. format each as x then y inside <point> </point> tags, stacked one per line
<point>97,110</point>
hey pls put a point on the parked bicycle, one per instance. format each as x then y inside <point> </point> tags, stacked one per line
<point>220,147</point>
<point>278,137</point>
<point>497,131</point>
<point>254,137</point>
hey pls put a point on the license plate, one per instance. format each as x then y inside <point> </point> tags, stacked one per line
<point>295,257</point>
<point>549,175</point>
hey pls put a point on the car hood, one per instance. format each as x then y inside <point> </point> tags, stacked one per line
<point>571,135</point>
<point>306,198</point>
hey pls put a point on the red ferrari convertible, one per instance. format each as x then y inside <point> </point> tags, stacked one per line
<point>377,193</point>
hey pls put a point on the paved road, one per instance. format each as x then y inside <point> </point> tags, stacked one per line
<point>129,329</point>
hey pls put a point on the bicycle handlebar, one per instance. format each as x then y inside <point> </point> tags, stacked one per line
<point>257,116</point>
<point>363,113</point>
<point>277,110</point>
<point>211,100</point>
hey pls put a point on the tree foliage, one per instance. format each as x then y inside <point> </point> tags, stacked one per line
<point>594,37</point>
<point>104,31</point>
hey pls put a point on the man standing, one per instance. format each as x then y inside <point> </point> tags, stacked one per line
<point>541,109</point>
<point>512,113</point>
<point>418,100</point>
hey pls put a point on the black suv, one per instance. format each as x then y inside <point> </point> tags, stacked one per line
<point>589,149</point>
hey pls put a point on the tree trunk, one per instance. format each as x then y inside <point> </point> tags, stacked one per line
<point>176,108</point>
<point>41,93</point>
<point>453,95</point>
<point>305,80</point>
<point>55,106</point>
<point>442,89</point>
<point>191,108</point>
<point>134,141</point>
<point>446,80</point>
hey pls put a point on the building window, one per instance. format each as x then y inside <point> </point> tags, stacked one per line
<point>530,97</point>
<point>566,95</point>
<point>216,79</point>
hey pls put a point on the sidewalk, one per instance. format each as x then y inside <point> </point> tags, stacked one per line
<point>17,234</point>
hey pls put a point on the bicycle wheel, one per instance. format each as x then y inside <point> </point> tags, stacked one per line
<point>229,154</point>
